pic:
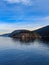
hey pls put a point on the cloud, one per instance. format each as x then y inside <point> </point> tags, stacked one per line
<point>38,23</point>
<point>37,5</point>
<point>42,5</point>
<point>42,19</point>
<point>37,14</point>
<point>25,2</point>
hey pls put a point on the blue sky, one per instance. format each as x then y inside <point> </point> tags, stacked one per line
<point>23,14</point>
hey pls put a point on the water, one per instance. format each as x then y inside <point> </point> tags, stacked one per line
<point>14,52</point>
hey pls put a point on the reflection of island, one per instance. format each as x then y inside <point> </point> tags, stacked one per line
<point>26,35</point>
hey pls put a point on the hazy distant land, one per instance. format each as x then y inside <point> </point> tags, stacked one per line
<point>42,33</point>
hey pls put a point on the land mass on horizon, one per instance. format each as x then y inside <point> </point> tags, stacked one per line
<point>42,33</point>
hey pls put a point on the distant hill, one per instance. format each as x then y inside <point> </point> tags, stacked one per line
<point>43,32</point>
<point>5,35</point>
<point>24,34</point>
<point>39,33</point>
<point>17,32</point>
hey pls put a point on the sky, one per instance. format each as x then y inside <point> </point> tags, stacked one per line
<point>23,14</point>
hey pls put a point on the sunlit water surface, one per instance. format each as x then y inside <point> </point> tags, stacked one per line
<point>14,52</point>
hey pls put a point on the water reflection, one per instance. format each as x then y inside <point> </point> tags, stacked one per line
<point>23,40</point>
<point>23,52</point>
<point>44,41</point>
<point>30,40</point>
<point>39,43</point>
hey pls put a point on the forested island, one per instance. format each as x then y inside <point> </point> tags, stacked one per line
<point>42,33</point>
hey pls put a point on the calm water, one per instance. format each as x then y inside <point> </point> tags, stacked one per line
<point>14,52</point>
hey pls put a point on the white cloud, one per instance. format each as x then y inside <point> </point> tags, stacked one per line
<point>38,5</point>
<point>25,2</point>
<point>43,19</point>
<point>38,23</point>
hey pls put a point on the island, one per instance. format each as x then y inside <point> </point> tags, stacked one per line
<point>22,34</point>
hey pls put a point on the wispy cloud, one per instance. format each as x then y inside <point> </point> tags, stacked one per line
<point>38,23</point>
<point>14,13</point>
<point>37,5</point>
<point>25,2</point>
